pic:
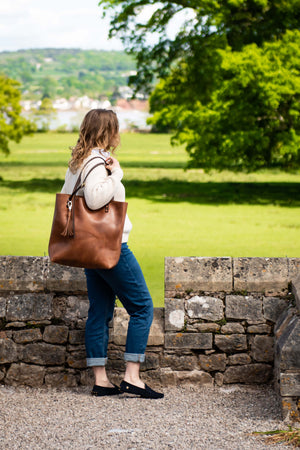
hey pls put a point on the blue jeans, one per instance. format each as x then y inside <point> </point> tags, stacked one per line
<point>125,280</point>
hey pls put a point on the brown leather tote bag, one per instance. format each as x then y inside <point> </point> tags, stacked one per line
<point>81,237</point>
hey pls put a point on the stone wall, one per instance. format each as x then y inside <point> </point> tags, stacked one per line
<point>225,312</point>
<point>217,325</point>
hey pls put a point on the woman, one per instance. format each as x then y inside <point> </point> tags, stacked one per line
<point>99,134</point>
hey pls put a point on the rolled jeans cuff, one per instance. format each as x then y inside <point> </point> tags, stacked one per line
<point>91,362</point>
<point>134,357</point>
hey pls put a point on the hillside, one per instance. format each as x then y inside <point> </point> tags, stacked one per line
<point>67,72</point>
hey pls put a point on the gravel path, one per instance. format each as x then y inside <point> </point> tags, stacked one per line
<point>187,418</point>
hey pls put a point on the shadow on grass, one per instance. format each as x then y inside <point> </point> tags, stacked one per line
<point>153,165</point>
<point>127,164</point>
<point>34,185</point>
<point>166,190</point>
<point>42,164</point>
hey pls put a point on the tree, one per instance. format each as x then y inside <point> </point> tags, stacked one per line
<point>227,87</point>
<point>12,125</point>
<point>252,119</point>
<point>49,87</point>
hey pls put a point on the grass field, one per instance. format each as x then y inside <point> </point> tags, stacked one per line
<point>174,212</point>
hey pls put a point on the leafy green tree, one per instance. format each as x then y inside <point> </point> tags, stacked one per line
<point>228,79</point>
<point>12,125</point>
<point>252,119</point>
<point>206,24</point>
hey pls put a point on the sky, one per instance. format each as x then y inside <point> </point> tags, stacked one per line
<point>28,24</point>
<point>54,23</point>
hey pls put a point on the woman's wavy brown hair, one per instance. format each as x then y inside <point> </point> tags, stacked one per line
<point>99,128</point>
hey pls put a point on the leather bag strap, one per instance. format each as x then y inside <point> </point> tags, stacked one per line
<point>80,185</point>
<point>69,228</point>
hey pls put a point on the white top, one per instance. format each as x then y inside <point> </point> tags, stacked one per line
<point>99,187</point>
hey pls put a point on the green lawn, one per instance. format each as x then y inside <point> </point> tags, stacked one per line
<point>174,212</point>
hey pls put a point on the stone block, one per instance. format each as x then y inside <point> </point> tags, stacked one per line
<point>174,314</point>
<point>232,328</point>
<point>2,307</point>
<point>273,307</point>
<point>290,384</point>
<point>290,408</point>
<point>3,281</point>
<point>15,325</point>
<point>168,377</point>
<point>71,309</point>
<point>111,336</point>
<point>44,354</point>
<point>77,359</point>
<point>293,268</point>
<point>231,343</point>
<point>283,321</point>
<point>213,362</point>
<point>244,308</point>
<point>25,307</point>
<point>149,377</point>
<point>198,274</point>
<point>151,362</point>
<point>59,307</point>
<point>76,337</point>
<point>6,334</point>
<point>65,279</point>
<point>2,375</point>
<point>207,327</point>
<point>188,340</point>
<point>56,334</point>
<point>25,336</point>
<point>219,379</point>
<point>287,349</point>
<point>120,326</point>
<point>76,309</point>
<point>55,369</point>
<point>75,348</point>
<point>8,351</point>
<point>207,308</point>
<point>296,291</point>
<point>81,323</point>
<point>115,364</point>
<point>180,362</point>
<point>157,333</point>
<point>251,373</point>
<point>197,377</point>
<point>260,274</point>
<point>26,374</point>
<point>23,273</point>
<point>239,359</point>
<point>87,377</point>
<point>61,379</point>
<point>262,348</point>
<point>38,323</point>
<point>259,329</point>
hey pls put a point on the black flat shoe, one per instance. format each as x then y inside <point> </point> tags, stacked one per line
<point>100,391</point>
<point>144,393</point>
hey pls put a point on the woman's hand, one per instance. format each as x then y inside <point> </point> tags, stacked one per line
<point>112,163</point>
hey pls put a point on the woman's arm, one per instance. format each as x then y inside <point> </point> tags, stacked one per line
<point>100,187</point>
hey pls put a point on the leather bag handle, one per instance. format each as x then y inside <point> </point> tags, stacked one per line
<point>80,185</point>
<point>69,228</point>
